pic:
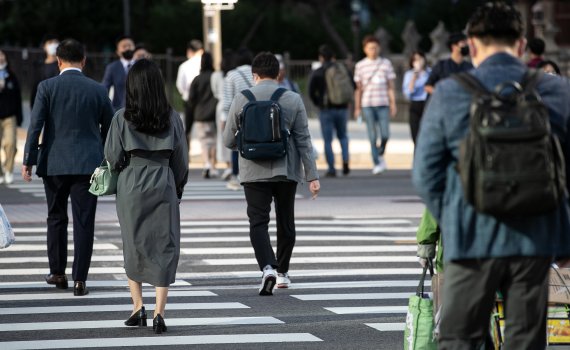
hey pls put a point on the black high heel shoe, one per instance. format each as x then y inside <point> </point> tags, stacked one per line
<point>137,319</point>
<point>158,325</point>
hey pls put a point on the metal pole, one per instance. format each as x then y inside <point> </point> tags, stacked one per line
<point>169,76</point>
<point>127,17</point>
<point>217,50</point>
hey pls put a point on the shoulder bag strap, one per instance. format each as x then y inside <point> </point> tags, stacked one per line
<point>244,78</point>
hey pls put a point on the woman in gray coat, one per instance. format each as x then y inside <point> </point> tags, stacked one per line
<point>146,142</point>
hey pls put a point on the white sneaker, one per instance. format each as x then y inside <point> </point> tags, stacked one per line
<point>227,174</point>
<point>377,169</point>
<point>267,281</point>
<point>9,178</point>
<point>234,184</point>
<point>283,280</point>
<point>1,180</point>
<point>214,173</point>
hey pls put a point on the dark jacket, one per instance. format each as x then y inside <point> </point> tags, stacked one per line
<point>116,77</point>
<point>468,234</point>
<point>201,99</point>
<point>44,71</point>
<point>11,98</point>
<point>74,113</point>
<point>318,88</point>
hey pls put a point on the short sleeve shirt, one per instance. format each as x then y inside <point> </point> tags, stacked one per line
<point>374,75</point>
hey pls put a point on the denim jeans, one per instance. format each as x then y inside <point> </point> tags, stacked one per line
<point>334,119</point>
<point>377,122</point>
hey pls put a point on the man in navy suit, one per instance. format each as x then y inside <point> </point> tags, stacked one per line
<point>116,72</point>
<point>75,113</point>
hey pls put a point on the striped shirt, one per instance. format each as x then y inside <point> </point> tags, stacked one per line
<point>236,81</point>
<point>374,75</point>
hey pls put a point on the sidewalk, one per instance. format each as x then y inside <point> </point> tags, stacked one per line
<point>399,151</point>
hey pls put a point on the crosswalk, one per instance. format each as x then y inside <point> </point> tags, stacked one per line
<point>359,271</point>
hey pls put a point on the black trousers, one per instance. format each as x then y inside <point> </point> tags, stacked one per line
<point>259,196</point>
<point>415,118</point>
<point>469,291</point>
<point>188,121</point>
<point>83,205</point>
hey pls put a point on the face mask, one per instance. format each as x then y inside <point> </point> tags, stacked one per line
<point>128,55</point>
<point>51,48</point>
<point>465,51</point>
<point>3,66</point>
<point>418,65</point>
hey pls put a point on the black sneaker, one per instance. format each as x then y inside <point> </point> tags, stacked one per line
<point>345,169</point>
<point>330,174</point>
<point>206,173</point>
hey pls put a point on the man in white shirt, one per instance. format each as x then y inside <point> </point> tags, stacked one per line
<point>187,71</point>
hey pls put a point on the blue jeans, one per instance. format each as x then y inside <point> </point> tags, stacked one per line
<point>334,119</point>
<point>377,122</point>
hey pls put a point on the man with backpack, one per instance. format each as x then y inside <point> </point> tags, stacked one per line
<point>375,97</point>
<point>490,167</point>
<point>268,127</point>
<point>331,89</point>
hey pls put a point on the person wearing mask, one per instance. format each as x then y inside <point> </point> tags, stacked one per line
<point>413,88</point>
<point>203,104</point>
<point>549,67</point>
<point>187,71</point>
<point>375,97</point>
<point>486,253</point>
<point>10,118</point>
<point>237,80</point>
<point>536,47</point>
<point>73,113</point>
<point>457,44</point>
<point>48,67</point>
<point>116,72</point>
<point>146,143</point>
<point>276,180</point>
<point>141,52</point>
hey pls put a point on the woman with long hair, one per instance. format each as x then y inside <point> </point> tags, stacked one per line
<point>146,142</point>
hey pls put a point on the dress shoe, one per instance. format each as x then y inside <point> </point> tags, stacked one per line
<point>80,289</point>
<point>158,325</point>
<point>137,319</point>
<point>60,281</point>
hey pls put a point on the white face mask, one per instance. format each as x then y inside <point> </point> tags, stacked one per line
<point>418,65</point>
<point>51,48</point>
<point>3,66</point>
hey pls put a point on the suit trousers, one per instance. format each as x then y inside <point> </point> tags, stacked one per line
<point>469,291</point>
<point>259,196</point>
<point>83,205</point>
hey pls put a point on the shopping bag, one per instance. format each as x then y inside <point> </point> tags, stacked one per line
<point>418,332</point>
<point>6,232</point>
<point>104,180</point>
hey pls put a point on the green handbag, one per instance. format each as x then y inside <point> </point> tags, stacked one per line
<point>104,180</point>
<point>418,332</point>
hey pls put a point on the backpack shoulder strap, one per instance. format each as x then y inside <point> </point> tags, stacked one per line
<point>530,79</point>
<point>277,94</point>
<point>249,95</point>
<point>470,83</point>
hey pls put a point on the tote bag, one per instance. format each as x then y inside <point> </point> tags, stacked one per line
<point>418,332</point>
<point>6,232</point>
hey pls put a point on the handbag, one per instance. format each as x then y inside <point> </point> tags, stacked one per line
<point>418,331</point>
<point>104,180</point>
<point>6,231</point>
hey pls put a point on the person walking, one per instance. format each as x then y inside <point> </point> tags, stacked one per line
<point>536,47</point>
<point>486,253</point>
<point>203,104</point>
<point>413,88</point>
<point>46,68</point>
<point>333,116</point>
<point>74,113</point>
<point>10,118</point>
<point>116,71</point>
<point>146,143</point>
<point>274,179</point>
<point>375,98</point>
<point>237,80</point>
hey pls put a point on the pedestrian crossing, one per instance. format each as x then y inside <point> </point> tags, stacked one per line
<point>355,270</point>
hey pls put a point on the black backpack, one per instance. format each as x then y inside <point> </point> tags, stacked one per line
<point>261,134</point>
<point>510,163</point>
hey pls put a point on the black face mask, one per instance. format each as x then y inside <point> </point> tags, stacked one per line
<point>465,51</point>
<point>128,55</point>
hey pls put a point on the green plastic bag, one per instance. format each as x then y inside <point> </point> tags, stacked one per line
<point>418,332</point>
<point>104,180</point>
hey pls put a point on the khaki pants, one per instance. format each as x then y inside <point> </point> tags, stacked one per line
<point>8,143</point>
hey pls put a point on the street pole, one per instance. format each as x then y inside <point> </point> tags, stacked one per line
<point>212,26</point>
<point>126,17</point>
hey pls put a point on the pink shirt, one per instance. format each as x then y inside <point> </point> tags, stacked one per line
<point>374,76</point>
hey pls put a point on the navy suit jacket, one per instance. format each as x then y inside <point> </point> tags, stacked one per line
<point>116,77</point>
<point>75,113</point>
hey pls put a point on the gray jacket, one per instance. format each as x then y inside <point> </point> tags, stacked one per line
<point>299,151</point>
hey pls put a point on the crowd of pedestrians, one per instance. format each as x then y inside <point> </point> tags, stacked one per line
<point>128,121</point>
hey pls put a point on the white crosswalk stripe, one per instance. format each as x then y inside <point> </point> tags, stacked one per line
<point>346,267</point>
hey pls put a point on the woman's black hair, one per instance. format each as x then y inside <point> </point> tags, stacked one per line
<point>545,63</point>
<point>146,105</point>
<point>207,63</point>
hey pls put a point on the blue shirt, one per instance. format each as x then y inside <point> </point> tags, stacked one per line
<point>419,93</point>
<point>468,234</point>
